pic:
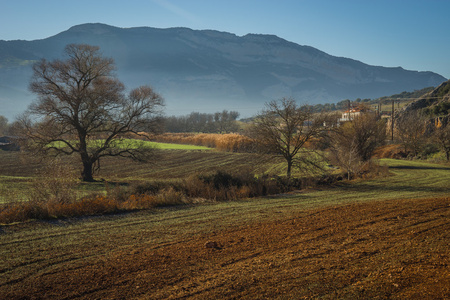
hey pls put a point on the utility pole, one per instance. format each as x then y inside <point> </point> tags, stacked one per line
<point>392,121</point>
<point>349,110</point>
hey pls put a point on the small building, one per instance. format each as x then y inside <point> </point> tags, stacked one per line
<point>350,114</point>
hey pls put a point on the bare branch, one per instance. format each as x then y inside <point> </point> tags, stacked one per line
<point>284,128</point>
<point>81,108</point>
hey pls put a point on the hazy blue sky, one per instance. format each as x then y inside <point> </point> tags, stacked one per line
<point>413,34</point>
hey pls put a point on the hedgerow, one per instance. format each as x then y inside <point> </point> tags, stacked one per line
<point>56,202</point>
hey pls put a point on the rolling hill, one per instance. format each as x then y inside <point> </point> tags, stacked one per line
<point>435,102</point>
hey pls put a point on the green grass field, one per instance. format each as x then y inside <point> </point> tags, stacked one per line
<point>409,179</point>
<point>174,162</point>
<point>167,146</point>
<point>135,143</point>
<point>17,171</point>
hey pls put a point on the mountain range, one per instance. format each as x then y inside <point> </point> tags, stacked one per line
<point>207,71</point>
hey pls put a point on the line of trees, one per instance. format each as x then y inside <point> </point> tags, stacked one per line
<point>219,122</point>
<point>417,132</point>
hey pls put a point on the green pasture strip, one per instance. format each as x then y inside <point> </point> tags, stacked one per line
<point>13,178</point>
<point>168,146</point>
<point>165,146</point>
<point>133,143</point>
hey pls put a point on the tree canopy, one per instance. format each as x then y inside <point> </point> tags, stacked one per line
<point>82,109</point>
<point>284,128</point>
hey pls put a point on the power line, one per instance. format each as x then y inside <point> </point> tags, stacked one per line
<point>404,99</point>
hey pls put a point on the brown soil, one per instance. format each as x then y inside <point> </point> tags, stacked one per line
<point>376,250</point>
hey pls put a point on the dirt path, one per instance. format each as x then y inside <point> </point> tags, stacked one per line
<point>375,250</point>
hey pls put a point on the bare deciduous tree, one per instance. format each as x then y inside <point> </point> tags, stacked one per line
<point>354,142</point>
<point>3,125</point>
<point>81,108</point>
<point>284,128</point>
<point>410,129</point>
<point>442,136</point>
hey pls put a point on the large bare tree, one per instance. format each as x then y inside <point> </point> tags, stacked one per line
<point>284,128</point>
<point>82,109</point>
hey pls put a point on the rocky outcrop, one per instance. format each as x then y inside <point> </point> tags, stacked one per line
<point>436,97</point>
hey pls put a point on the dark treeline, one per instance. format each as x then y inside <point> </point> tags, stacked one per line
<point>408,95</point>
<point>343,104</point>
<point>219,122</point>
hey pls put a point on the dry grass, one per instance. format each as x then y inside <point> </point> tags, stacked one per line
<point>391,151</point>
<point>86,206</point>
<point>54,197</point>
<point>231,142</point>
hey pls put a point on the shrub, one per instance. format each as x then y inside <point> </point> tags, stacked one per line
<point>28,210</point>
<point>372,169</point>
<point>151,188</point>
<point>221,180</point>
<point>116,192</point>
<point>218,186</point>
<point>429,149</point>
<point>391,151</point>
<point>55,184</point>
<point>22,211</point>
<point>222,186</point>
<point>170,197</point>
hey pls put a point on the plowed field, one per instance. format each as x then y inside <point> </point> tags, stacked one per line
<point>397,249</point>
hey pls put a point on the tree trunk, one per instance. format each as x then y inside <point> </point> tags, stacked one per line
<point>289,167</point>
<point>86,174</point>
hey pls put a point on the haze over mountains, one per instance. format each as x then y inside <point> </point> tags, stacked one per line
<point>207,71</point>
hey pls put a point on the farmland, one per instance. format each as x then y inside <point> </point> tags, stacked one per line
<point>380,238</point>
<point>177,162</point>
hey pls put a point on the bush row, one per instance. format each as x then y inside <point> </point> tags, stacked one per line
<point>220,186</point>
